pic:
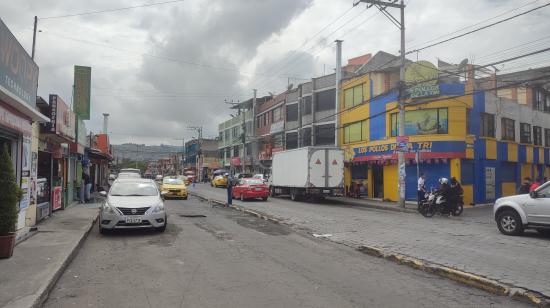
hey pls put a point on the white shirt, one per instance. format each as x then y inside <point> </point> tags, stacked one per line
<point>421,183</point>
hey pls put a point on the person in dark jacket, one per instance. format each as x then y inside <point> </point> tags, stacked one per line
<point>446,192</point>
<point>525,186</point>
<point>229,190</point>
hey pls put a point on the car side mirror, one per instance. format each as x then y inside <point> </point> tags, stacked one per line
<point>533,194</point>
<point>103,193</point>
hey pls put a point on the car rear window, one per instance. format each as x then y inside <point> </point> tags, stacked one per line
<point>254,182</point>
<point>173,181</point>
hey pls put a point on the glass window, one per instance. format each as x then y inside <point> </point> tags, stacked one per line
<point>355,131</point>
<point>487,125</point>
<point>422,122</point>
<point>306,136</point>
<point>172,181</point>
<point>537,135</point>
<point>547,137</point>
<point>525,133</point>
<point>348,98</point>
<point>306,105</point>
<point>357,95</point>
<point>236,152</point>
<point>325,100</point>
<point>324,134</point>
<point>277,114</point>
<point>292,112</point>
<point>508,129</point>
<point>291,141</point>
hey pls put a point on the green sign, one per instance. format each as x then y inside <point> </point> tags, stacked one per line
<point>18,72</point>
<point>82,84</point>
<point>421,78</point>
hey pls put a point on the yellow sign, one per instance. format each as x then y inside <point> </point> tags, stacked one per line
<point>421,78</point>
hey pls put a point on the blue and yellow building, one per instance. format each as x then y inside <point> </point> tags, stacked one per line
<point>453,131</point>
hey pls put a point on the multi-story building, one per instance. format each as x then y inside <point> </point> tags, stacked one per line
<point>270,127</point>
<point>483,137</point>
<point>231,137</point>
<point>204,157</point>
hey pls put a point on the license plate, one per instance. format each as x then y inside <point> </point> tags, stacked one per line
<point>258,189</point>
<point>133,220</point>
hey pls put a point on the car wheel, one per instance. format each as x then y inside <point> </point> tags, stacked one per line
<point>264,198</point>
<point>293,196</point>
<point>545,232</point>
<point>101,230</point>
<point>272,192</point>
<point>509,223</point>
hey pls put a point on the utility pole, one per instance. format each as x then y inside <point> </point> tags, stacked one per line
<point>242,113</point>
<point>137,154</point>
<point>255,143</point>
<point>338,77</point>
<point>182,152</point>
<point>382,6</point>
<point>198,163</point>
<point>34,36</point>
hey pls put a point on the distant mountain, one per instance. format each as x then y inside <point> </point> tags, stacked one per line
<point>142,152</point>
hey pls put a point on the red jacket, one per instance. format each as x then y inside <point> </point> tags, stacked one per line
<point>534,186</point>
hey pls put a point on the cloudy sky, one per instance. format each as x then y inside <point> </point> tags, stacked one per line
<point>160,69</point>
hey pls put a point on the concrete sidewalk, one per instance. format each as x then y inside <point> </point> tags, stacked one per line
<point>38,262</point>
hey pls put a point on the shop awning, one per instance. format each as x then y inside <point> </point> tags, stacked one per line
<point>21,106</point>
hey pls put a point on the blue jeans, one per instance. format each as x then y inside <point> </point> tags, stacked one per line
<point>88,190</point>
<point>81,193</point>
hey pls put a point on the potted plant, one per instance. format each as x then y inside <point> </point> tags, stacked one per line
<point>10,195</point>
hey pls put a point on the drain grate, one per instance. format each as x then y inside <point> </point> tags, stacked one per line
<point>192,215</point>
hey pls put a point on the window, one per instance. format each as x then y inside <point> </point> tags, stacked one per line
<point>306,136</point>
<point>258,121</point>
<point>236,151</point>
<point>277,114</point>
<point>220,137</point>
<point>539,99</point>
<point>325,100</point>
<point>422,122</point>
<point>353,96</point>
<point>324,134</point>
<point>508,129</point>
<point>537,135</point>
<point>524,133</point>
<point>356,131</point>
<point>248,149</point>
<point>227,135</point>
<point>227,152</point>
<point>291,141</point>
<point>487,127</point>
<point>468,121</point>
<point>235,132</point>
<point>547,137</point>
<point>292,112</point>
<point>306,105</point>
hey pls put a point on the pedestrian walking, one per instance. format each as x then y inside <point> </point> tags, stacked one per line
<point>535,184</point>
<point>421,188</point>
<point>525,186</point>
<point>88,186</point>
<point>229,191</point>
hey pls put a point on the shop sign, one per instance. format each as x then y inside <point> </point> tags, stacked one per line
<point>429,149</point>
<point>18,72</point>
<point>62,119</point>
<point>277,127</point>
<point>56,198</point>
<point>423,77</point>
<point>401,144</point>
<point>14,121</point>
<point>236,161</point>
<point>82,81</point>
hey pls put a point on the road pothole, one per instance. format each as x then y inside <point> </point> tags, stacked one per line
<point>192,215</point>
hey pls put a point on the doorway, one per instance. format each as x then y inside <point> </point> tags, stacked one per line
<point>378,181</point>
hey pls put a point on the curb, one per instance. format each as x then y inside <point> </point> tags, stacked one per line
<point>378,207</point>
<point>462,277</point>
<point>44,291</point>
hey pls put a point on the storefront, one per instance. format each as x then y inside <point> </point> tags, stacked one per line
<point>18,85</point>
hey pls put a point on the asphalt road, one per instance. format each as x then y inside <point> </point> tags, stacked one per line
<point>229,259</point>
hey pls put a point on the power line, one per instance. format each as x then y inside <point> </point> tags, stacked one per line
<point>111,10</point>
<point>478,29</point>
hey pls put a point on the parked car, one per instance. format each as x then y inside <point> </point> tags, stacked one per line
<point>132,203</point>
<point>250,188</point>
<point>219,181</point>
<point>130,170</point>
<point>173,186</point>
<point>514,214</point>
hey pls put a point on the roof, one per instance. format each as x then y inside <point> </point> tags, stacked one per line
<point>381,61</point>
<point>135,180</point>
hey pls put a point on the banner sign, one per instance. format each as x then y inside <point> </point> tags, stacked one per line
<point>429,149</point>
<point>56,198</point>
<point>401,144</point>
<point>82,89</point>
<point>423,77</point>
<point>62,119</point>
<point>18,72</point>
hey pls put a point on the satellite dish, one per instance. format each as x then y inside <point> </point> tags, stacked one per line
<point>462,63</point>
<point>290,86</point>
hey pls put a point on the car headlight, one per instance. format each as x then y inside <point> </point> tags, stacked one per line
<point>157,208</point>
<point>108,209</point>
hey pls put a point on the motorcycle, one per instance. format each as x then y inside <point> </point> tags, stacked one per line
<point>435,203</point>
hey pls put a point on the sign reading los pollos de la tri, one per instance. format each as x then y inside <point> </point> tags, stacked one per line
<point>18,72</point>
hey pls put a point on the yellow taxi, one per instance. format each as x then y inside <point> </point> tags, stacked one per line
<point>219,181</point>
<point>174,187</point>
<point>185,179</point>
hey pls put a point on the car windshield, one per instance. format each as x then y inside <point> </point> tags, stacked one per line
<point>128,175</point>
<point>253,182</point>
<point>173,181</point>
<point>133,189</point>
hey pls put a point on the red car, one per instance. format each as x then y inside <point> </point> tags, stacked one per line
<point>249,188</point>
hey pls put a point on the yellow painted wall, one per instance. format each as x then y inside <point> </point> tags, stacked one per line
<point>390,182</point>
<point>347,176</point>
<point>522,96</point>
<point>508,189</point>
<point>455,168</point>
<point>512,151</point>
<point>491,149</point>
<point>370,188</point>
<point>506,93</point>
<point>526,171</point>
<point>529,153</point>
<point>468,194</point>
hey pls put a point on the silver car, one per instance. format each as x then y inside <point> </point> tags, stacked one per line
<point>132,203</point>
<point>514,214</point>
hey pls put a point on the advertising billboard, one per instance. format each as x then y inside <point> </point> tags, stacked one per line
<point>423,122</point>
<point>62,119</point>
<point>18,72</point>
<point>82,84</point>
<point>422,78</point>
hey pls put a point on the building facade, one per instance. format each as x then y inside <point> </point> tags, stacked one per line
<point>270,126</point>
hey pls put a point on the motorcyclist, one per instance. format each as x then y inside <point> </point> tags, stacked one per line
<point>446,192</point>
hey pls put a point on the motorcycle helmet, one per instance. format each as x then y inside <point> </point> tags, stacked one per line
<point>443,181</point>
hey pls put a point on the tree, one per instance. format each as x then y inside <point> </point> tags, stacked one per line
<point>10,194</point>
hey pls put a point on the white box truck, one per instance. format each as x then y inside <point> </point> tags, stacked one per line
<point>308,172</point>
